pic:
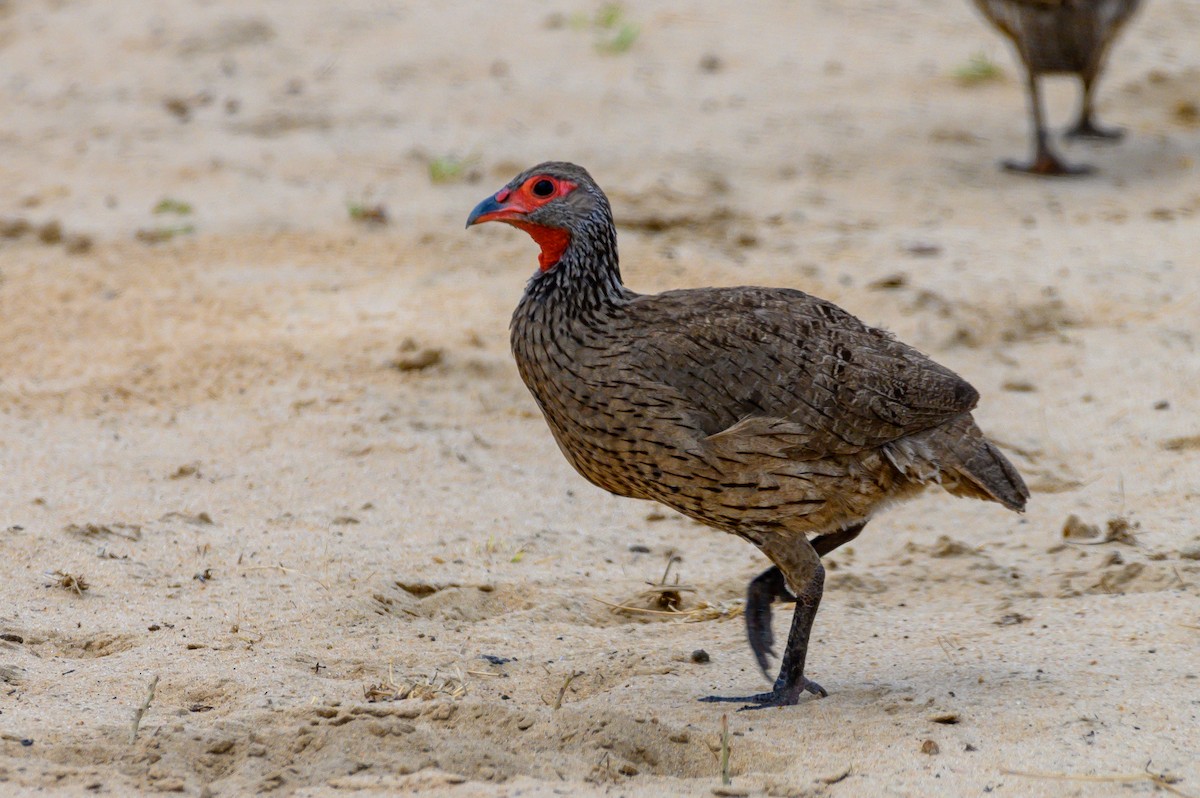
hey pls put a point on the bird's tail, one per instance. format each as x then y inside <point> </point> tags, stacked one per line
<point>965,463</point>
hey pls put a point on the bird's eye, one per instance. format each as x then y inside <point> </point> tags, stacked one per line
<point>543,188</point>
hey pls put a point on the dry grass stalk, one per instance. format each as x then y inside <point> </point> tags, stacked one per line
<point>1163,780</point>
<point>562,691</point>
<point>286,570</point>
<point>665,599</point>
<point>425,688</point>
<point>725,777</point>
<point>117,530</point>
<point>140,711</point>
<point>702,611</point>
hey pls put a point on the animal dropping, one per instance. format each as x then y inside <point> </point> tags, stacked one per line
<point>764,412</point>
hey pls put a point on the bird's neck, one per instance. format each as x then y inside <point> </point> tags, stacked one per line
<point>587,273</point>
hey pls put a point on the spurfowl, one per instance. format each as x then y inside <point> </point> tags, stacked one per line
<point>1060,36</point>
<point>764,412</point>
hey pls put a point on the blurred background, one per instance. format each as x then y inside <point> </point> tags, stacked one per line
<point>272,115</point>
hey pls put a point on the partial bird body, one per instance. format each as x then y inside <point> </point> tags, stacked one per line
<point>656,398</point>
<point>1060,37</point>
<point>764,412</point>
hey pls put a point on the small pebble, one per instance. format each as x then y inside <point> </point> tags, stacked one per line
<point>77,243</point>
<point>495,660</point>
<point>51,232</point>
<point>14,228</point>
<point>1075,529</point>
<point>417,361</point>
<point>701,656</point>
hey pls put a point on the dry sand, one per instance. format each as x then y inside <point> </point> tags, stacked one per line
<point>279,524</point>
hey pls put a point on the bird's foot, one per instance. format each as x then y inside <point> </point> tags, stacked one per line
<point>781,696</point>
<point>1086,129</point>
<point>1047,165</point>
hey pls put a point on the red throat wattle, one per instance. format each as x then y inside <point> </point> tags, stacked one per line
<point>552,240</point>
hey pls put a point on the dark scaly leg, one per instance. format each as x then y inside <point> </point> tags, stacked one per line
<point>1045,162</point>
<point>797,560</point>
<point>770,586</point>
<point>1086,127</point>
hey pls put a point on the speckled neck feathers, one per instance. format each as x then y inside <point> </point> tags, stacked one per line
<point>588,275</point>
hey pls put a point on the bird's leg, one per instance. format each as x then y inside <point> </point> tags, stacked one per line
<point>797,561</point>
<point>1045,162</point>
<point>770,586</point>
<point>1086,127</point>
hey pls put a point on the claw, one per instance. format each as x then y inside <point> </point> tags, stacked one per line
<point>781,696</point>
<point>1047,165</point>
<point>1086,129</point>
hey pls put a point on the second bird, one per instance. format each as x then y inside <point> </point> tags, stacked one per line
<point>1060,37</point>
<point>764,412</point>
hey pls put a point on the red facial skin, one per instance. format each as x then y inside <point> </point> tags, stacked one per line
<point>521,201</point>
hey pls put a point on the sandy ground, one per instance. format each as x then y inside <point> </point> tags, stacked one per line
<point>279,524</point>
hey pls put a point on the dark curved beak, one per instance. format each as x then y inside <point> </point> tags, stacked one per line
<point>489,210</point>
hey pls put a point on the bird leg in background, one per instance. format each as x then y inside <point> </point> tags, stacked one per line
<point>767,587</point>
<point>1045,162</point>
<point>770,586</point>
<point>1086,127</point>
<point>796,559</point>
<point>823,544</point>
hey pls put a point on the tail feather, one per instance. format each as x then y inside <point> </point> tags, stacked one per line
<point>958,457</point>
<point>992,471</point>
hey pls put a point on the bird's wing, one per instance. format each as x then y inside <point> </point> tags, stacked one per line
<point>787,373</point>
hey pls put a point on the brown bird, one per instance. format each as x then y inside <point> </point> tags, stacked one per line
<point>1060,37</point>
<point>764,412</point>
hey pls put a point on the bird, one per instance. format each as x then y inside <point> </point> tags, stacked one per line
<point>1060,37</point>
<point>767,413</point>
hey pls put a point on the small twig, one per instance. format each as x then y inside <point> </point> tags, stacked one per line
<point>562,691</point>
<point>673,559</point>
<point>140,711</point>
<point>725,778</point>
<point>627,608</point>
<point>946,649</point>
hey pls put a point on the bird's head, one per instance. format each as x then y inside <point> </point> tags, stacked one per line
<point>554,202</point>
